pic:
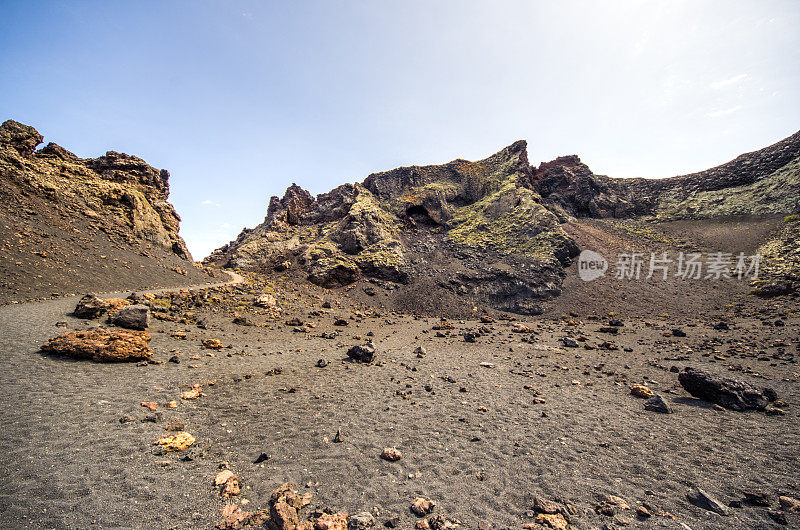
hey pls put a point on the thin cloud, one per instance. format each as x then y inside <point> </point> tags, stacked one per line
<point>725,83</point>
<point>724,112</point>
<point>209,202</point>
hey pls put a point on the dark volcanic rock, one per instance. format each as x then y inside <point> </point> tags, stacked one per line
<point>362,354</point>
<point>132,317</point>
<point>656,403</point>
<point>569,186</point>
<point>730,393</point>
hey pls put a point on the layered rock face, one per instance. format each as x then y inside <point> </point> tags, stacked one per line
<point>761,182</point>
<point>481,222</point>
<point>121,192</point>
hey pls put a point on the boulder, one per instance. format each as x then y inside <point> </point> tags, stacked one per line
<point>132,317</point>
<point>90,306</point>
<point>267,301</point>
<point>730,393</point>
<point>656,403</point>
<point>362,354</point>
<point>102,345</point>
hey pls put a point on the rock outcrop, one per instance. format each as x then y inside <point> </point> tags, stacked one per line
<point>730,393</point>
<point>120,191</point>
<point>489,232</point>
<point>762,182</point>
<point>70,224</point>
<point>496,241</point>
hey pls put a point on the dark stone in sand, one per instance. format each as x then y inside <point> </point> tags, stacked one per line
<point>362,354</point>
<point>263,457</point>
<point>703,500</point>
<point>730,393</point>
<point>132,317</point>
<point>243,321</point>
<point>756,498</point>
<point>656,403</point>
<point>322,363</point>
<point>393,521</point>
<point>778,516</point>
<point>470,336</point>
<point>361,521</point>
<point>721,326</point>
<point>678,332</point>
<point>90,306</point>
<point>569,343</point>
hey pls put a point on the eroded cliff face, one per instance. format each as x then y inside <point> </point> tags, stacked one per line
<point>119,193</point>
<point>476,228</point>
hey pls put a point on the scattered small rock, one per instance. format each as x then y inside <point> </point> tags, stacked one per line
<point>391,454</point>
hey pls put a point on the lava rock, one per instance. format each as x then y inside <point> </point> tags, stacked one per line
<point>132,317</point>
<point>90,306</point>
<point>656,403</point>
<point>729,393</point>
<point>102,345</point>
<point>362,354</point>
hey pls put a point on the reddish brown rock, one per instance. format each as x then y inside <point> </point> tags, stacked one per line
<point>102,345</point>
<point>336,521</point>
<point>422,506</point>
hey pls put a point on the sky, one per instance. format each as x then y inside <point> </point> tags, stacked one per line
<point>239,99</point>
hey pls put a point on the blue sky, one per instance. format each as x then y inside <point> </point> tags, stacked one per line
<point>240,99</point>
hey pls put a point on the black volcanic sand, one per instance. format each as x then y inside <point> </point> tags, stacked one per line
<point>482,454</point>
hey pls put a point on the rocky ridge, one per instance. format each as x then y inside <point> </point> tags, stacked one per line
<point>482,222</point>
<point>491,232</point>
<point>762,182</point>
<point>118,191</point>
<point>71,224</point>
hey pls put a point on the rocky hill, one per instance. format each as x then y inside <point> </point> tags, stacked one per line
<point>761,182</point>
<point>70,224</point>
<point>492,231</point>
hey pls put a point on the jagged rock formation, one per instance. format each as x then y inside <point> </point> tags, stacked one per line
<point>64,216</point>
<point>490,230</point>
<point>481,221</point>
<point>122,189</point>
<point>761,182</point>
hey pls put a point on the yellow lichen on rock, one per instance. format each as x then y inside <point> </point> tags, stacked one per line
<point>180,441</point>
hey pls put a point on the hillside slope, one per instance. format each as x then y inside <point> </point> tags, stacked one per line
<point>70,224</point>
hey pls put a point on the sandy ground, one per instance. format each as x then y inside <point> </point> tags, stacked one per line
<point>474,437</point>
